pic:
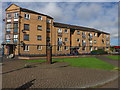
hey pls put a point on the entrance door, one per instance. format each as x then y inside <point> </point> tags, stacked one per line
<point>10,49</point>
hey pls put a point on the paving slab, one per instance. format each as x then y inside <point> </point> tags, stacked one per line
<point>60,77</point>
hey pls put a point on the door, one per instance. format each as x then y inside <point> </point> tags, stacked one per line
<point>10,49</point>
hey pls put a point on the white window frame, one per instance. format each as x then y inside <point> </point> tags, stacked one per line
<point>59,30</point>
<point>65,39</point>
<point>16,15</point>
<point>26,48</point>
<point>65,31</point>
<point>48,21</point>
<point>60,48</point>
<point>77,40</point>
<point>95,41</point>
<point>66,48</point>
<point>95,34</point>
<point>40,18</point>
<point>39,47</point>
<point>27,16</point>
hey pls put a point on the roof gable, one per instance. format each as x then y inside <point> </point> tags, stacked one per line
<point>13,6</point>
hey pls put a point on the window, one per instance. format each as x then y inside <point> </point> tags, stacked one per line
<point>83,48</point>
<point>39,27</point>
<point>66,39</point>
<point>95,48</point>
<point>59,48</point>
<point>8,30</point>
<point>15,38</point>
<point>66,31</point>
<point>26,48</point>
<point>78,40</point>
<point>78,32</point>
<point>90,48</point>
<point>15,27</point>
<point>102,41</point>
<point>83,33</point>
<point>26,37</point>
<point>27,16</point>
<point>95,41</point>
<point>39,47</point>
<point>39,17</point>
<point>9,26</point>
<point>59,30</point>
<point>8,38</point>
<point>26,26</point>
<point>107,48</point>
<point>9,16</point>
<point>90,34</point>
<point>48,38</point>
<point>39,37</point>
<point>95,34</point>
<point>48,21</point>
<point>78,48</point>
<point>16,15</point>
<point>65,47</point>
<point>48,29</point>
<point>83,43</point>
<point>107,42</point>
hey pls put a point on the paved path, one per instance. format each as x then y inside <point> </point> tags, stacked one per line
<point>113,62</point>
<point>62,77</point>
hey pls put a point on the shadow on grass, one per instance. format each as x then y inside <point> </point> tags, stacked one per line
<point>26,85</point>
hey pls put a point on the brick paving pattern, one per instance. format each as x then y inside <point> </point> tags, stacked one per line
<point>14,76</point>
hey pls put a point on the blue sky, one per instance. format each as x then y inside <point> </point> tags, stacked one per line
<point>100,15</point>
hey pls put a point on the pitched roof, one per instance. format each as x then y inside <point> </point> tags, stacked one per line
<point>56,24</point>
<point>30,11</point>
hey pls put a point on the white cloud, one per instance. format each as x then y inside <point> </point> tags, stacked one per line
<point>102,16</point>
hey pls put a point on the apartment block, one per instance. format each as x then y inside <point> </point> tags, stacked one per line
<point>28,33</point>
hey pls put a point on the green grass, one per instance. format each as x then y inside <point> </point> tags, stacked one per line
<point>115,57</point>
<point>85,62</point>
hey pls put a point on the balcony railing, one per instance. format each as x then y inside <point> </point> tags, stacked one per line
<point>90,37</point>
<point>83,44</point>
<point>59,42</point>
<point>83,36</point>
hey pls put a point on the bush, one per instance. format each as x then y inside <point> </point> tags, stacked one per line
<point>99,51</point>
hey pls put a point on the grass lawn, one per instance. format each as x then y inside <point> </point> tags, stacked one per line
<point>85,62</point>
<point>115,57</point>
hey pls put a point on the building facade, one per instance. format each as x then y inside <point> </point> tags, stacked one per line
<point>28,33</point>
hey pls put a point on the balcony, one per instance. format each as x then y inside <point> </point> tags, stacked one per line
<point>90,37</point>
<point>83,44</point>
<point>83,36</point>
<point>59,42</point>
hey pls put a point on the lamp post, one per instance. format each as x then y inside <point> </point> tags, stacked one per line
<point>49,54</point>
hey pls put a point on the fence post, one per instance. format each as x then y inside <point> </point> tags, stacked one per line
<point>49,54</point>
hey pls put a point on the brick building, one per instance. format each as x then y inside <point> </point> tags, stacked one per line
<point>28,33</point>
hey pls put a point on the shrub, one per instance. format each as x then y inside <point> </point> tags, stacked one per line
<point>99,51</point>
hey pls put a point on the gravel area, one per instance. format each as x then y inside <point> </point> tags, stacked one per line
<point>15,76</point>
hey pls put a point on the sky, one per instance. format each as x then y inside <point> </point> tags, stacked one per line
<point>99,15</point>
